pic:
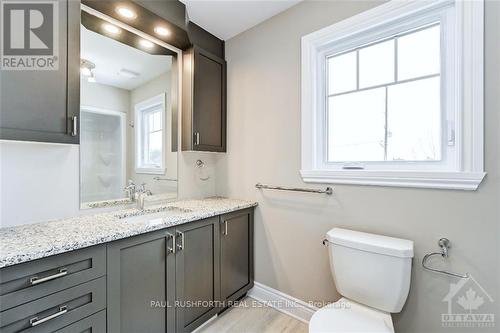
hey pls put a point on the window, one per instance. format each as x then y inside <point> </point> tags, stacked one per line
<point>384,100</point>
<point>393,96</point>
<point>150,136</point>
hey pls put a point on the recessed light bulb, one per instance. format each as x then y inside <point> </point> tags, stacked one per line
<point>146,43</point>
<point>112,29</point>
<point>126,12</point>
<point>162,31</point>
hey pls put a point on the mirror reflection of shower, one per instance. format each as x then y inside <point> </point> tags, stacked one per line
<point>103,143</point>
<point>128,128</point>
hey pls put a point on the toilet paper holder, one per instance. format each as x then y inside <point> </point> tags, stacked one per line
<point>445,245</point>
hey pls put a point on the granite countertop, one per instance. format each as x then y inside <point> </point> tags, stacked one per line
<point>34,241</point>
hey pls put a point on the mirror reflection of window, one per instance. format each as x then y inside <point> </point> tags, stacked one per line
<point>126,116</point>
<point>149,115</point>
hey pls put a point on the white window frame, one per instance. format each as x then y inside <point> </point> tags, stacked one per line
<point>139,109</point>
<point>462,83</point>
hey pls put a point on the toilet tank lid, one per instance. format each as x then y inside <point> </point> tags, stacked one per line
<point>391,246</point>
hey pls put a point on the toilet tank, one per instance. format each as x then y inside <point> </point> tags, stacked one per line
<point>371,269</point>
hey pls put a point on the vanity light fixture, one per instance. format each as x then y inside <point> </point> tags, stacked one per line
<point>91,78</point>
<point>112,29</point>
<point>162,31</point>
<point>146,44</point>
<point>87,69</point>
<point>126,12</point>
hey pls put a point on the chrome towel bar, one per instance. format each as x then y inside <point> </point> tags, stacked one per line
<point>328,190</point>
<point>167,179</point>
<point>444,244</point>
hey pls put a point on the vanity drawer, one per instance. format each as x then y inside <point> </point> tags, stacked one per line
<point>93,324</point>
<point>26,282</point>
<point>56,311</point>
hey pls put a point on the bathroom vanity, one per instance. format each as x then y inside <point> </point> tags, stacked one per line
<point>168,268</point>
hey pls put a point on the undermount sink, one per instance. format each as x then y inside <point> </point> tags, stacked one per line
<point>152,215</point>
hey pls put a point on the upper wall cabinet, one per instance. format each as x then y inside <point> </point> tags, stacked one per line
<point>39,78</point>
<point>204,101</point>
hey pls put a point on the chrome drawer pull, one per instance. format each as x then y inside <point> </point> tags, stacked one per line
<point>35,280</point>
<point>171,249</point>
<point>35,321</point>
<point>180,246</point>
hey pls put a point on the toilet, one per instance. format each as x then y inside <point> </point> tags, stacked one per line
<point>372,273</point>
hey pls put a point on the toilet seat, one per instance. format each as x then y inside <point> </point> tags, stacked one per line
<point>346,316</point>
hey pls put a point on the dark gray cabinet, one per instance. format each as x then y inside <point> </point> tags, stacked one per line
<point>197,273</point>
<point>43,105</point>
<point>32,280</point>
<point>170,280</point>
<point>141,273</point>
<point>57,310</point>
<point>236,254</point>
<point>92,324</point>
<point>204,101</point>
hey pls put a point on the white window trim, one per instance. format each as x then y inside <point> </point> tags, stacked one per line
<point>468,44</point>
<point>138,108</point>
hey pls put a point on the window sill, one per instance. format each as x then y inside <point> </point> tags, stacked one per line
<point>441,180</point>
<point>150,171</point>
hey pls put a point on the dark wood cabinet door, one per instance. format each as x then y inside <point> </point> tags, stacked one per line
<point>197,273</point>
<point>236,254</point>
<point>140,278</point>
<point>39,105</point>
<point>209,102</point>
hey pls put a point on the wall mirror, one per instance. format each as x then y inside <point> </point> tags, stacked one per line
<point>128,116</point>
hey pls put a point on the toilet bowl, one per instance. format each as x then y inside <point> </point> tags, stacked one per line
<point>372,273</point>
<point>348,316</point>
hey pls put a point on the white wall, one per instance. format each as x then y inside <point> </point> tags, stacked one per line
<point>104,97</point>
<point>264,146</point>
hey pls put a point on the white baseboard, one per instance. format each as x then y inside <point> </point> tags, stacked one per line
<point>282,302</point>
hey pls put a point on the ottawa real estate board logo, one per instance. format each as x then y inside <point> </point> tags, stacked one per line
<point>469,306</point>
<point>29,35</point>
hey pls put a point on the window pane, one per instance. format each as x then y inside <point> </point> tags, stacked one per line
<point>419,53</point>
<point>157,121</point>
<point>356,126</point>
<point>376,64</point>
<point>342,73</point>
<point>151,122</point>
<point>155,148</point>
<point>414,121</point>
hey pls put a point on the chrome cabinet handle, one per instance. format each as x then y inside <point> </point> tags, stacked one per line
<point>180,246</point>
<point>74,126</point>
<point>35,321</point>
<point>171,249</point>
<point>224,232</point>
<point>35,280</point>
<point>197,138</point>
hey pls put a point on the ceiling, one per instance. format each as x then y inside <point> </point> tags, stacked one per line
<point>226,19</point>
<point>111,56</point>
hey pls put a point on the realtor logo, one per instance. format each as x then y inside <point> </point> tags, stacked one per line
<point>29,35</point>
<point>467,302</point>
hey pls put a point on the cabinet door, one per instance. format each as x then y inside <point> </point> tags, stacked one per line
<point>209,102</point>
<point>197,273</point>
<point>140,274</point>
<point>40,105</point>
<point>236,254</point>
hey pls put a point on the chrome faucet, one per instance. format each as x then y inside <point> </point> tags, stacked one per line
<point>141,194</point>
<point>131,190</point>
